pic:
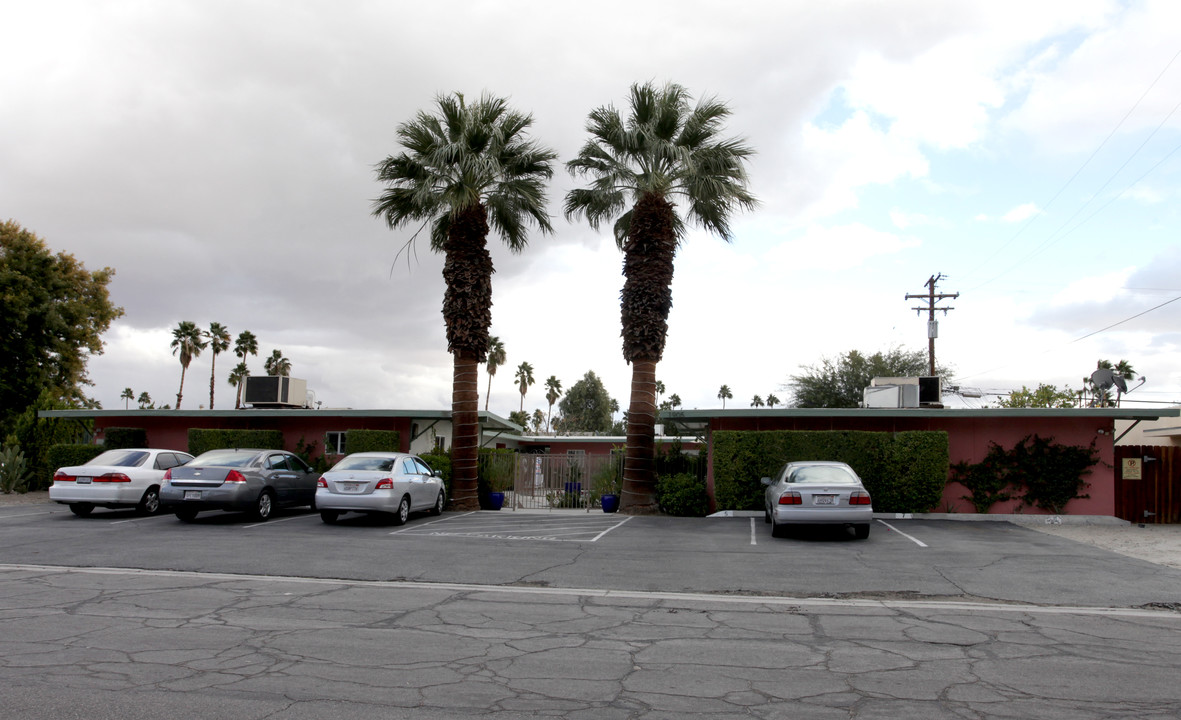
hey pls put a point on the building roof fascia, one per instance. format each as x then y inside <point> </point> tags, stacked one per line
<point>682,416</point>
<point>489,420</point>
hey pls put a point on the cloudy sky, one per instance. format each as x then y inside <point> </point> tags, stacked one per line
<point>219,155</point>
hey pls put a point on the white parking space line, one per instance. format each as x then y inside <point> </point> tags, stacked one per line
<point>547,528</point>
<point>43,512</point>
<point>276,522</point>
<point>915,540</point>
<point>753,541</point>
<point>145,517</point>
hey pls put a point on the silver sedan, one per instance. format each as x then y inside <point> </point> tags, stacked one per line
<point>816,493</point>
<point>391,484</point>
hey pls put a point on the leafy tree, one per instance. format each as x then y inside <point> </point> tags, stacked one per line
<point>553,391</point>
<point>464,170</point>
<point>145,401</point>
<point>724,394</point>
<point>586,406</point>
<point>276,364</point>
<point>496,358</point>
<point>246,344</point>
<point>127,396</point>
<point>841,382</point>
<point>187,341</point>
<point>524,380</point>
<point>54,312</point>
<point>772,401</point>
<point>219,342</point>
<point>1045,396</point>
<point>756,401</point>
<point>665,150</point>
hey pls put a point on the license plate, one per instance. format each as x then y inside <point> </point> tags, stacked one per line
<point>350,487</point>
<point>192,494</point>
<point>824,499</point>
<point>83,481</point>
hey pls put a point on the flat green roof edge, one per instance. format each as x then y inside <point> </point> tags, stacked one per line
<point>1114,413</point>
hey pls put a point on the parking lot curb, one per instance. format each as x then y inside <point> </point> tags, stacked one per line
<point>1015,518</point>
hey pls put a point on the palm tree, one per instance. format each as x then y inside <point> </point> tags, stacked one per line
<point>756,401</point>
<point>219,342</point>
<point>127,396</point>
<point>538,419</point>
<point>276,364</point>
<point>553,391</point>
<point>245,344</point>
<point>466,170</point>
<point>524,380</point>
<point>187,341</point>
<point>237,379</point>
<point>724,394</point>
<point>664,151</point>
<point>674,400</point>
<point>772,401</point>
<point>144,400</point>
<point>496,358</point>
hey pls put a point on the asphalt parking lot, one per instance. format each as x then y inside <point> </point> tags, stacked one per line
<point>573,615</point>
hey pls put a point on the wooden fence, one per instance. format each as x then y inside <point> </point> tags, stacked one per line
<point>1148,483</point>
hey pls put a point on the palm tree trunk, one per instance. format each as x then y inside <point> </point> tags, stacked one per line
<point>212,376</point>
<point>488,397</point>
<point>181,390</point>
<point>465,443</point>
<point>639,477</point>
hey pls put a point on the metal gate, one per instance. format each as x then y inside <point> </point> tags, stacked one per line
<point>1148,483</point>
<point>563,482</point>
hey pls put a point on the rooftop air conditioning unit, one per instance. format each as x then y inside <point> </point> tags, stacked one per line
<point>275,391</point>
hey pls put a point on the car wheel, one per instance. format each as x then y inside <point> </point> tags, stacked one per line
<point>403,513</point>
<point>439,503</point>
<point>265,507</point>
<point>777,530</point>
<point>329,516</point>
<point>766,515</point>
<point>861,531</point>
<point>81,509</point>
<point>149,504</point>
<point>186,514</point>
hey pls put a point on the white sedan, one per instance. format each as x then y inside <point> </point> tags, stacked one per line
<point>127,477</point>
<point>817,493</point>
<point>386,483</point>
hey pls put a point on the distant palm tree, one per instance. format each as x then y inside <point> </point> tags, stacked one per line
<point>465,170</point>
<point>524,380</point>
<point>219,342</point>
<point>276,364</point>
<point>756,401</point>
<point>237,379</point>
<point>538,419</point>
<point>724,394</point>
<point>772,401</point>
<point>144,400</point>
<point>666,150</point>
<point>674,400</point>
<point>496,358</point>
<point>553,391</point>
<point>246,344</point>
<point>187,341</point>
<point>128,395</point>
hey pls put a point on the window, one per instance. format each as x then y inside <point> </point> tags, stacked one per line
<point>440,444</point>
<point>423,469</point>
<point>576,452</point>
<point>334,443</point>
<point>408,467</point>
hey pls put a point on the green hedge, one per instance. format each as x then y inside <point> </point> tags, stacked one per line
<point>125,437</point>
<point>203,440</point>
<point>71,454</point>
<point>372,441</point>
<point>682,494</point>
<point>904,471</point>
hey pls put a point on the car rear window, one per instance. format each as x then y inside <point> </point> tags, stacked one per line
<point>121,458</point>
<point>365,463</point>
<point>225,458</point>
<point>829,475</point>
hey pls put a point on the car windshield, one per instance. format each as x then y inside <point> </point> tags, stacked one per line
<point>825,474</point>
<point>354,462</point>
<point>121,458</point>
<point>225,458</point>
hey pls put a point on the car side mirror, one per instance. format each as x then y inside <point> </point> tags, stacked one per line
<point>766,481</point>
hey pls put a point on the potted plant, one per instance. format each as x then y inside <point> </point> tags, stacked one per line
<point>500,481</point>
<point>605,487</point>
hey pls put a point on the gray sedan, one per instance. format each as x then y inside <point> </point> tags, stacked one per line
<point>387,483</point>
<point>816,493</point>
<point>257,481</point>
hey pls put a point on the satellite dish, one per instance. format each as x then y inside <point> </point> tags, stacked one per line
<point>1104,378</point>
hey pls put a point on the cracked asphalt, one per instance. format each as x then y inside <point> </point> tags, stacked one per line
<point>510,615</point>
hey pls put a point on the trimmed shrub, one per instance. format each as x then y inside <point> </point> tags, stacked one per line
<point>682,494</point>
<point>203,440</point>
<point>904,471</point>
<point>372,441</point>
<point>71,454</point>
<point>14,471</point>
<point>120,437</point>
<point>441,464</point>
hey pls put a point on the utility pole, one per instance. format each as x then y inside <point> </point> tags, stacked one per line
<point>932,324</point>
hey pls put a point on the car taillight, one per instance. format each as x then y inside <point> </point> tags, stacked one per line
<point>112,477</point>
<point>322,483</point>
<point>385,484</point>
<point>60,476</point>
<point>859,497</point>
<point>791,498</point>
<point>235,477</point>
